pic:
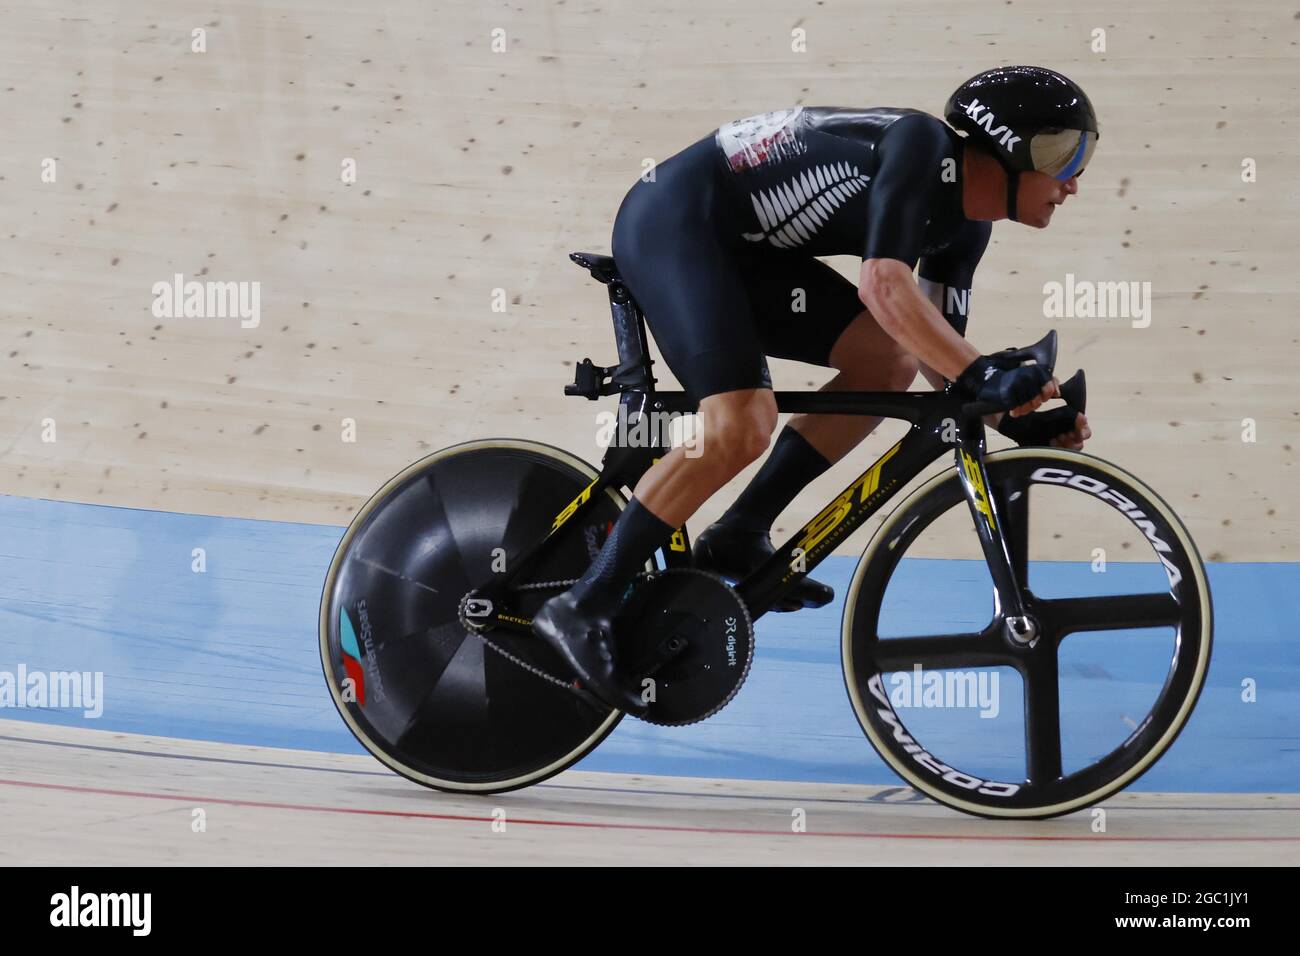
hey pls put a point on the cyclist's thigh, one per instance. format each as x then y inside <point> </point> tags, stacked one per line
<point>803,306</point>
<point>685,278</point>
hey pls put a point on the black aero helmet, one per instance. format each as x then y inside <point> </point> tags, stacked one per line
<point>1029,117</point>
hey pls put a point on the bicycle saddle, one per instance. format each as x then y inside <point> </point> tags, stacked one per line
<point>602,268</point>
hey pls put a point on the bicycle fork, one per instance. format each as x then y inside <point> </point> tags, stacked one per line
<point>969,452</point>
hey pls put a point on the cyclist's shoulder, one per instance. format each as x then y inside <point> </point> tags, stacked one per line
<point>877,117</point>
<point>906,140</point>
<point>876,123</point>
<point>857,122</point>
<point>763,138</point>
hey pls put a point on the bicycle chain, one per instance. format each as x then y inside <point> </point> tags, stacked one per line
<point>478,630</point>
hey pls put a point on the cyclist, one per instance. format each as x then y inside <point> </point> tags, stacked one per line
<point>720,248</point>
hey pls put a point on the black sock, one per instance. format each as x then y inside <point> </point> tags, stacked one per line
<point>634,538</point>
<point>794,463</point>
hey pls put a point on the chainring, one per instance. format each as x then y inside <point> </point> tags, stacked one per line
<point>691,634</point>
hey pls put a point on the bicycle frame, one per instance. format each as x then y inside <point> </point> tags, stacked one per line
<point>939,422</point>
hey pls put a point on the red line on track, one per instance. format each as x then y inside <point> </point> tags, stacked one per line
<point>738,831</point>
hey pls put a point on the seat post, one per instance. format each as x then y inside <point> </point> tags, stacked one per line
<point>632,376</point>
<point>633,371</point>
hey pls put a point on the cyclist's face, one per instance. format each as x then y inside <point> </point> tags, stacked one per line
<point>1040,194</point>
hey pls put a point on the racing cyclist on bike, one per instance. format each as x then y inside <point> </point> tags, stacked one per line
<point>720,252</point>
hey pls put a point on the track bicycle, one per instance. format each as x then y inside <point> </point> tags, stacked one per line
<point>428,653</point>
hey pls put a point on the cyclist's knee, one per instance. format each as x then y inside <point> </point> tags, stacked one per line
<point>889,371</point>
<point>738,426</point>
<point>899,372</point>
<point>868,359</point>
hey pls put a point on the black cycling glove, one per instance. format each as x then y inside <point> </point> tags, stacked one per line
<point>1002,388</point>
<point>1039,428</point>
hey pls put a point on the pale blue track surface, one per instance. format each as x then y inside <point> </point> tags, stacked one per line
<point>231,655</point>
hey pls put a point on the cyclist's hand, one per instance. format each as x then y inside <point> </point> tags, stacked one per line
<point>1062,427</point>
<point>1020,387</point>
<point>1075,437</point>
<point>1051,390</point>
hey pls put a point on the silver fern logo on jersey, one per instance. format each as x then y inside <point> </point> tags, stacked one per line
<point>792,212</point>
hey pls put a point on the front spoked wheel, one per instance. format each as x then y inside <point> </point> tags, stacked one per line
<point>997,723</point>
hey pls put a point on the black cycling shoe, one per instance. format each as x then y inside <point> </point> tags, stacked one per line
<point>584,638</point>
<point>734,552</point>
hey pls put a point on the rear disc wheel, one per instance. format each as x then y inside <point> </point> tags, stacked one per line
<point>422,694</point>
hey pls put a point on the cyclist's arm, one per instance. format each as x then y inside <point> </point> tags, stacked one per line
<point>903,190</point>
<point>946,278</point>
<point>887,288</point>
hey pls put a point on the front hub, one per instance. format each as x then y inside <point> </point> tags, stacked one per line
<point>1021,632</point>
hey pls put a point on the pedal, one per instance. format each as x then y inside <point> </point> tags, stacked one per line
<point>789,603</point>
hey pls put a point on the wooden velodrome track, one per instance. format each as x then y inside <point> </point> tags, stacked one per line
<point>430,301</point>
<point>102,799</point>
